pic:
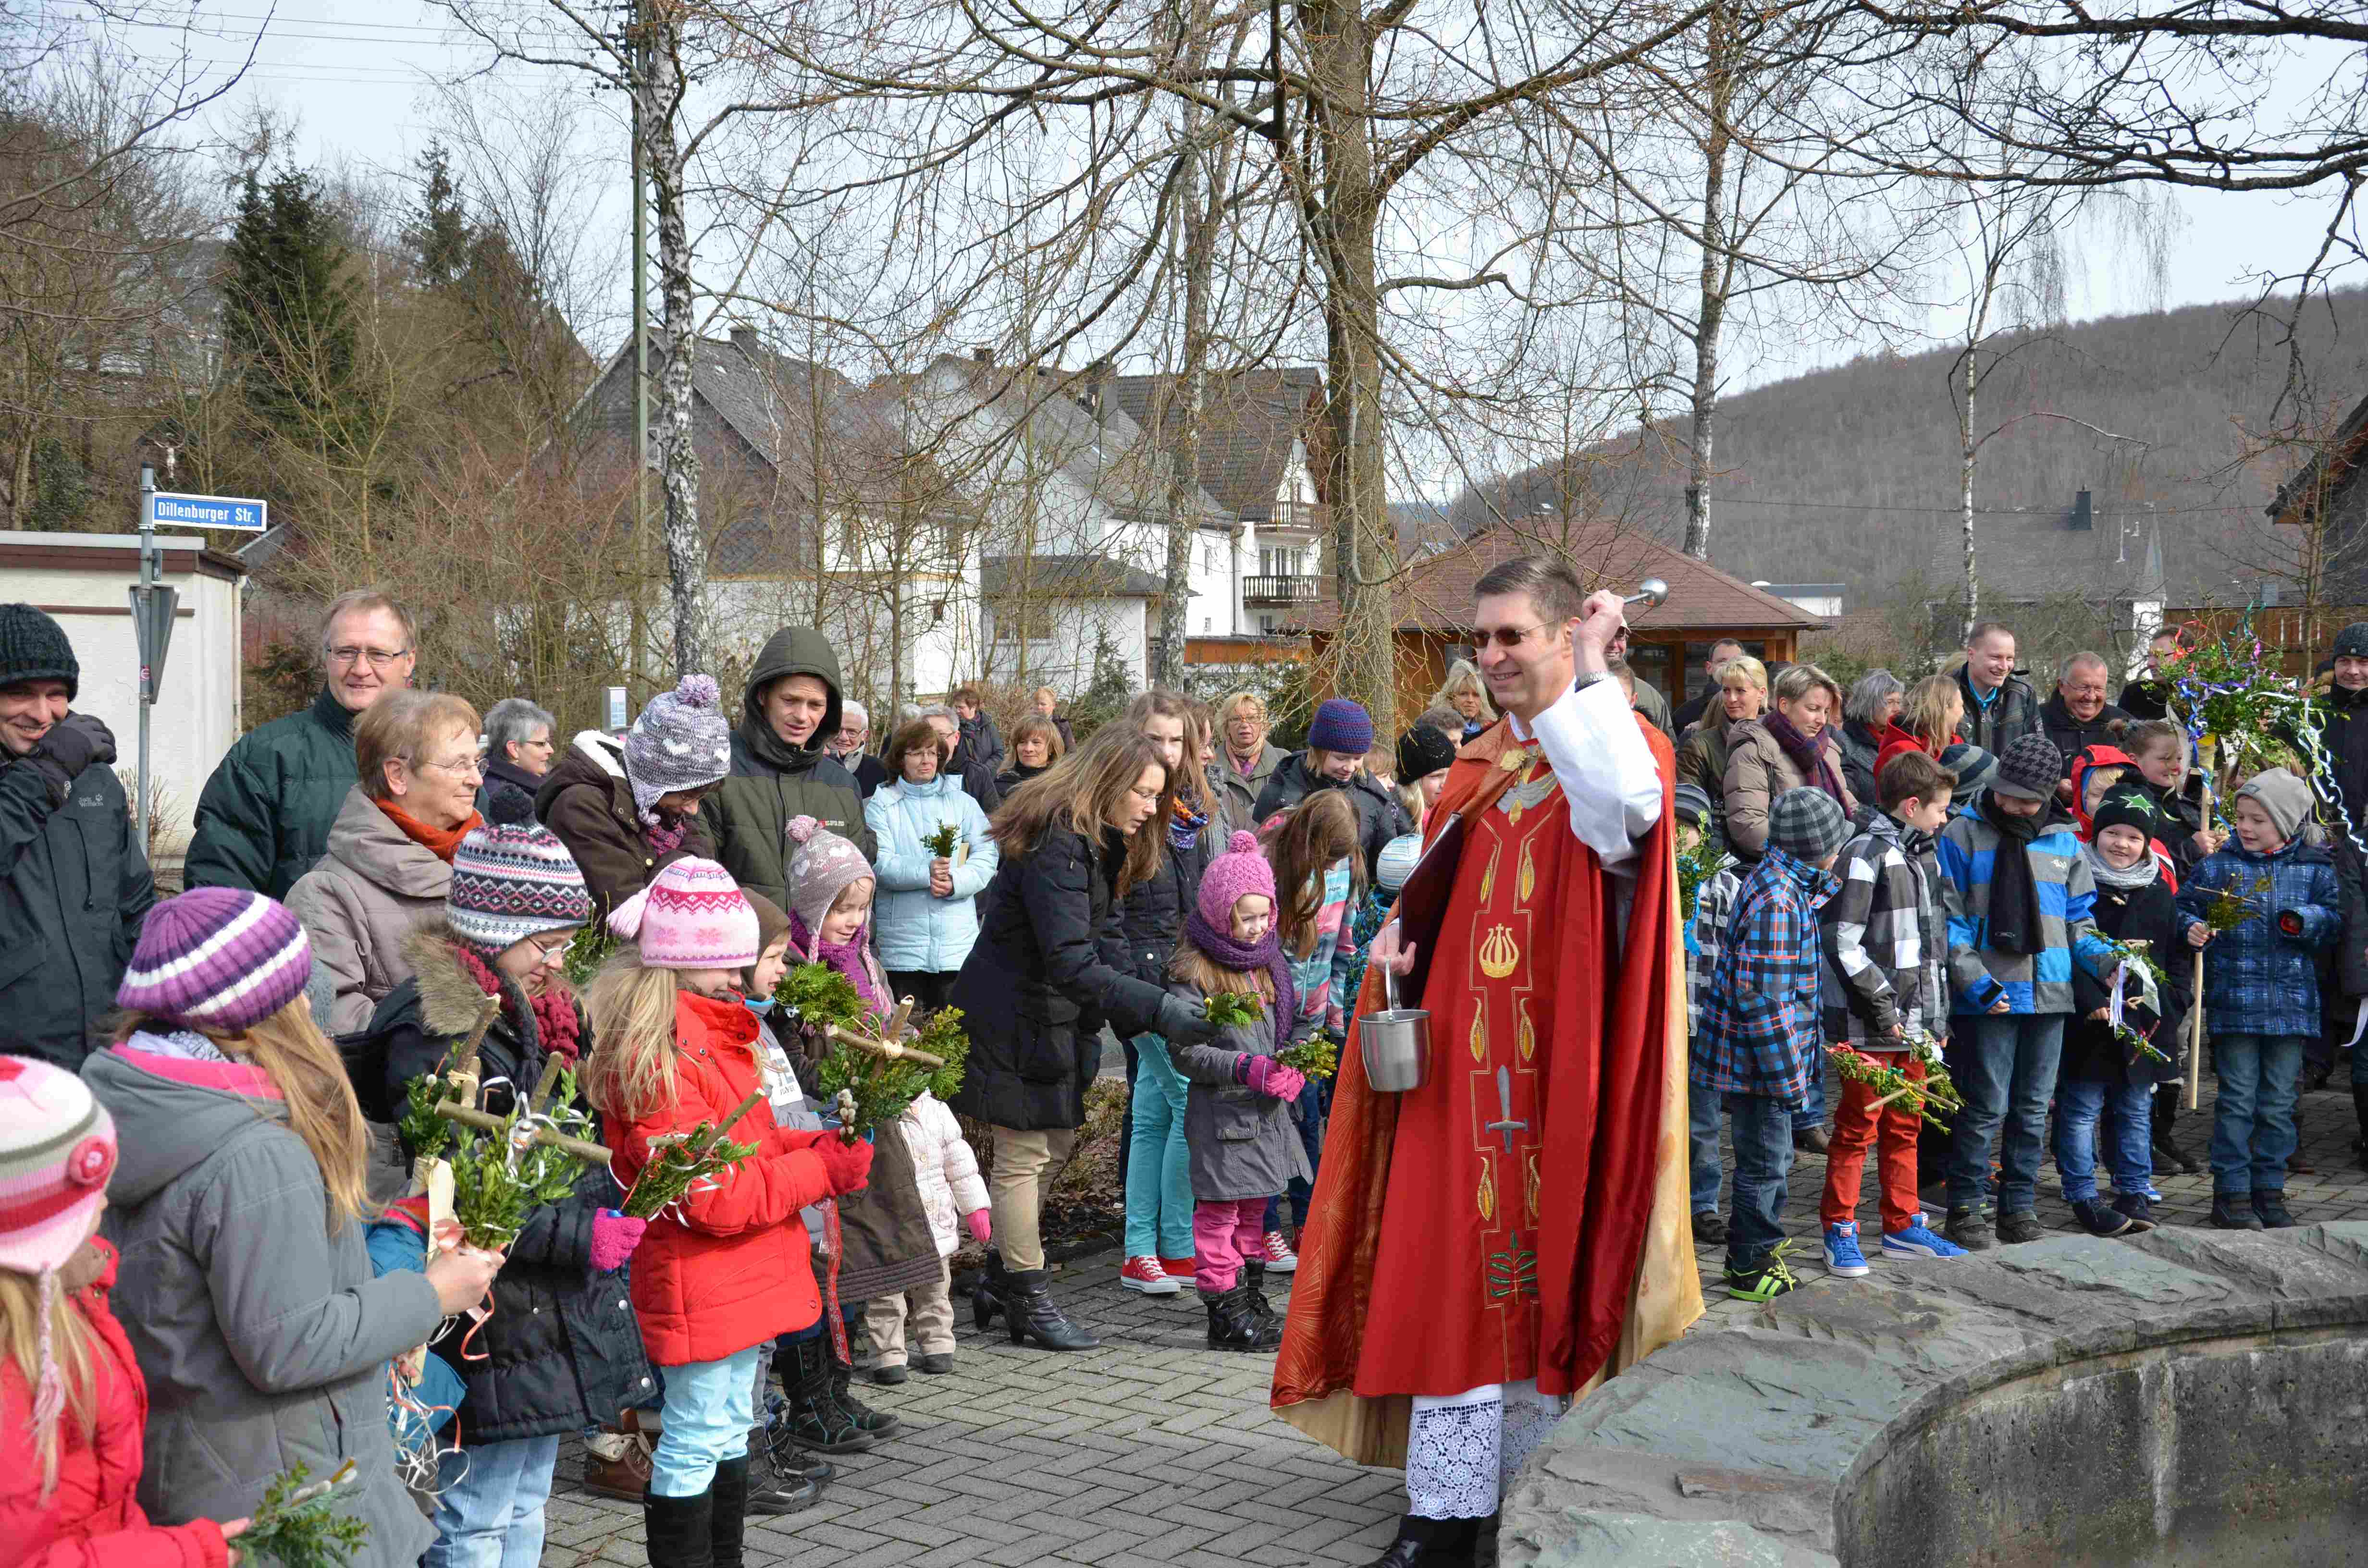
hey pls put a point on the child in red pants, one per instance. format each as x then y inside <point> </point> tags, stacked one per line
<point>1883,936</point>
<point>1245,1148</point>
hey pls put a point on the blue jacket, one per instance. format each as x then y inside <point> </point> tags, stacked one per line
<point>2031,982</point>
<point>2260,977</point>
<point>1760,1032</point>
<point>916,930</point>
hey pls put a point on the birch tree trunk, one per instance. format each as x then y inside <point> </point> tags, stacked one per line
<point>1197,208</point>
<point>1717,276</point>
<point>1968,449</point>
<point>659,84</point>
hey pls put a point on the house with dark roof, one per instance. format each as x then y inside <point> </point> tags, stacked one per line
<point>2108,558</point>
<point>1668,643</point>
<point>2328,500</point>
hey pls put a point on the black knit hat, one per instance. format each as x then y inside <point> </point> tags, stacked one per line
<point>2352,643</point>
<point>2028,769</point>
<point>34,647</point>
<point>1423,751</point>
<point>2128,806</point>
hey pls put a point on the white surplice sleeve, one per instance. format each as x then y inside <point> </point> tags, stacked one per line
<point>1606,769</point>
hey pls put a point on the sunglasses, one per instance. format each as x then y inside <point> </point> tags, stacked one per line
<point>1504,636</point>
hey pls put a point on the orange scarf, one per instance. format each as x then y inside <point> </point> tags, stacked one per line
<point>440,842</point>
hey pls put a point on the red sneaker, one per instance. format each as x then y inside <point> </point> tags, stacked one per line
<point>1178,1267</point>
<point>1279,1258</point>
<point>1144,1275</point>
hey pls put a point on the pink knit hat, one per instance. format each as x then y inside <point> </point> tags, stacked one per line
<point>693,916</point>
<point>1240,871</point>
<point>57,1148</point>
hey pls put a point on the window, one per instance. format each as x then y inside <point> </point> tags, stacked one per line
<point>1208,623</point>
<point>1208,557</point>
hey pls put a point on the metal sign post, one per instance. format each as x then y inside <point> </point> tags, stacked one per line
<point>153,605</point>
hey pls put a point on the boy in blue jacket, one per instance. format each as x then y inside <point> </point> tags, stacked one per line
<point>2261,989</point>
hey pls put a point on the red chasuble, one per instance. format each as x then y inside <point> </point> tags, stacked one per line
<point>1488,1226</point>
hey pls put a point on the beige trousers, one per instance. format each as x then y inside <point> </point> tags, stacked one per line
<point>928,1308</point>
<point>1025,1167</point>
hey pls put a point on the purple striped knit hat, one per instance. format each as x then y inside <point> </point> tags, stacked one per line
<point>218,959</point>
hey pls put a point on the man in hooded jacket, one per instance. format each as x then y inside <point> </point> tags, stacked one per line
<point>779,768</point>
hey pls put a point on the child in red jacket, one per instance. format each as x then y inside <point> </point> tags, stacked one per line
<point>73,1406</point>
<point>721,1272</point>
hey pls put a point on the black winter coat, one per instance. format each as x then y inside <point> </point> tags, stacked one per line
<point>984,743</point>
<point>561,1351</point>
<point>1378,814</point>
<point>2345,736</point>
<point>1041,981</point>
<point>1152,917</point>
<point>2072,737</point>
<point>73,889</point>
<point>2012,714</point>
<point>1861,748</point>
<point>2093,1053</point>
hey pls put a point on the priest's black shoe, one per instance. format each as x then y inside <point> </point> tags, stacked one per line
<point>1431,1543</point>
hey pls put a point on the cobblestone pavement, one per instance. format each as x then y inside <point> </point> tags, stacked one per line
<point>1157,1450</point>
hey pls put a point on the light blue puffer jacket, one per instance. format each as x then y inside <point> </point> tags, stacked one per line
<point>916,930</point>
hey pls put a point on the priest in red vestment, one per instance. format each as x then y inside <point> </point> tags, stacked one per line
<point>1482,1247</point>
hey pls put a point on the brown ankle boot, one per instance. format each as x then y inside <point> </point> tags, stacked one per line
<point>616,1462</point>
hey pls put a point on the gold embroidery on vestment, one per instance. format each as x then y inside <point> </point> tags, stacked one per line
<point>1525,1039</point>
<point>1480,1032</point>
<point>1530,1198</point>
<point>1500,953</point>
<point>1488,877</point>
<point>1527,883</point>
<point>1487,1194</point>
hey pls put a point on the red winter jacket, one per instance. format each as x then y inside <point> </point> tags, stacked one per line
<point>92,1520</point>
<point>733,1267</point>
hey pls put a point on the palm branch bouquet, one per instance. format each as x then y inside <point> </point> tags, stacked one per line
<point>1233,1009</point>
<point>681,1161</point>
<point>821,997</point>
<point>1934,1094</point>
<point>1695,867</point>
<point>1317,1056</point>
<point>2231,906</point>
<point>585,954</point>
<point>298,1524</point>
<point>2137,953</point>
<point>502,1174</point>
<point>942,840</point>
<point>874,1077</point>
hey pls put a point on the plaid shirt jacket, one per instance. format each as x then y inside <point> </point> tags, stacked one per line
<point>1760,1016</point>
<point>1883,934</point>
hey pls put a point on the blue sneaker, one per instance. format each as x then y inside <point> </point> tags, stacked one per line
<point>1915,1241</point>
<point>1842,1255</point>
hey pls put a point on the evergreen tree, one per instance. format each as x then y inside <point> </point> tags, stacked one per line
<point>61,499</point>
<point>439,236</point>
<point>287,316</point>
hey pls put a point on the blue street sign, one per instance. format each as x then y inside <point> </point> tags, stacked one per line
<point>210,511</point>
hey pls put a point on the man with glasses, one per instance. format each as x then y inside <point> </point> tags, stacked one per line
<point>264,817</point>
<point>849,746</point>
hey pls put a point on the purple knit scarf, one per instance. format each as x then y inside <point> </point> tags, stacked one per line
<point>1810,757</point>
<point>1266,953</point>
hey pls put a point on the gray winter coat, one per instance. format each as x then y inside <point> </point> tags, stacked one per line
<point>1237,792</point>
<point>264,1337</point>
<point>1244,1144</point>
<point>362,902</point>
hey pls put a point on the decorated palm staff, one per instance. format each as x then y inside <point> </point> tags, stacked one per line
<point>2345,705</point>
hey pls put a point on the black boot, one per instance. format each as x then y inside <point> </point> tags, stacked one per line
<point>2234,1211</point>
<point>2360,1109</point>
<point>878,1423</point>
<point>812,1419</point>
<point>1254,1281</point>
<point>681,1530</point>
<point>986,1296</point>
<point>2270,1208</point>
<point>1235,1324</point>
<point>1035,1318</point>
<point>2164,1118</point>
<point>767,1489</point>
<point>1431,1543</point>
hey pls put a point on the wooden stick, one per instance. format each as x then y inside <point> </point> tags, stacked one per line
<point>465,1063</point>
<point>469,1116</point>
<point>890,1048</point>
<point>2195,1019</point>
<point>553,1067</point>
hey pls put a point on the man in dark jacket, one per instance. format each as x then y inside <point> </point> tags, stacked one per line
<point>2078,716</point>
<point>2148,696</point>
<point>2345,736</point>
<point>73,881</point>
<point>781,768</point>
<point>1725,648</point>
<point>983,740</point>
<point>2000,706</point>
<point>958,762</point>
<point>1337,740</point>
<point>263,818</point>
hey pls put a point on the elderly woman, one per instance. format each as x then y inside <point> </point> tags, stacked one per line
<point>1703,749</point>
<point>1466,692</point>
<point>518,750</point>
<point>1791,745</point>
<point>1246,760</point>
<point>390,859</point>
<point>562,1350</point>
<point>925,917</point>
<point>628,809</point>
<point>1869,714</point>
<point>1036,744</point>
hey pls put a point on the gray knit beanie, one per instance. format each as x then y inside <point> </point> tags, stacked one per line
<point>2279,792</point>
<point>2028,769</point>
<point>681,742</point>
<point>822,865</point>
<point>1807,823</point>
<point>2352,643</point>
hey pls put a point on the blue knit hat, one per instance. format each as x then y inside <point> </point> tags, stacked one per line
<point>1341,725</point>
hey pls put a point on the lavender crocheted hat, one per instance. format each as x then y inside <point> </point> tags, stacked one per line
<point>682,740</point>
<point>219,958</point>
<point>1241,870</point>
<point>822,865</point>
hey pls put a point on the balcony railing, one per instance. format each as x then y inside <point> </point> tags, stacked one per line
<point>1280,590</point>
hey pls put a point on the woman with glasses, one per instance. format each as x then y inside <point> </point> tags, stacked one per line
<point>390,859</point>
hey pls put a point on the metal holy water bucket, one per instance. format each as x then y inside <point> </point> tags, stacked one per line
<point>1394,1044</point>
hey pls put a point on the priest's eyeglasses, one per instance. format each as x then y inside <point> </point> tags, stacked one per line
<point>1503,636</point>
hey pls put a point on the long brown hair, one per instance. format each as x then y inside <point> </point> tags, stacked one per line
<point>290,1048</point>
<point>1319,831</point>
<point>1197,969</point>
<point>1932,710</point>
<point>1083,791</point>
<point>1188,782</point>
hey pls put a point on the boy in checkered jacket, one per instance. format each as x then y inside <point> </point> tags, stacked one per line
<point>1705,927</point>
<point>1884,938</point>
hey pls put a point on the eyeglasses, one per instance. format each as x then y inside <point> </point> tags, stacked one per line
<point>1504,636</point>
<point>471,769</point>
<point>379,657</point>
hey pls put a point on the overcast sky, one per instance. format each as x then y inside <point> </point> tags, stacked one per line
<point>357,76</point>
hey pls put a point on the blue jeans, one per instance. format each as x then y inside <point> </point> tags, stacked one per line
<point>489,1507</point>
<point>1702,1148</point>
<point>2007,1080</point>
<point>2253,1128</point>
<point>1811,1111</point>
<point>710,1407</point>
<point>2127,1111</point>
<point>1159,1161</point>
<point>1763,1155</point>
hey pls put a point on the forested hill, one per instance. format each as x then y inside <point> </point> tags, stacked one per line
<point>1851,474</point>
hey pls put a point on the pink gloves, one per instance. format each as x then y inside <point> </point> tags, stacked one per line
<point>614,1237</point>
<point>980,1224</point>
<point>847,1166</point>
<point>1271,1077</point>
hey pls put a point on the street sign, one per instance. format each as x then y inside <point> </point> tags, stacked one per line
<point>208,511</point>
<point>616,708</point>
<point>152,622</point>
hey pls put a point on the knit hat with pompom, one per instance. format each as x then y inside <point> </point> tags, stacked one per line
<point>692,917</point>
<point>822,866</point>
<point>513,879</point>
<point>682,740</point>
<point>1241,870</point>
<point>57,1148</point>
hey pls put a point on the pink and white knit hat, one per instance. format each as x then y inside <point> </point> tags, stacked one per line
<point>220,959</point>
<point>57,1148</point>
<point>692,917</point>
<point>1241,870</point>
